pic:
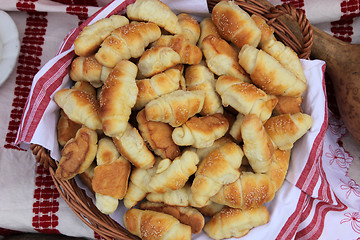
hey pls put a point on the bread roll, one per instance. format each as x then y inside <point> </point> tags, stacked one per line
<point>85,87</point>
<point>235,25</point>
<point>92,35</point>
<point>77,154</point>
<point>267,32</point>
<point>159,84</point>
<point>127,42</point>
<point>219,167</point>
<point>90,70</point>
<point>210,209</point>
<point>207,27</point>
<point>87,176</point>
<point>80,107</point>
<point>285,129</point>
<point>222,59</point>
<point>148,224</point>
<point>189,53</point>
<point>154,11</point>
<point>157,59</point>
<point>290,105</point>
<point>201,132</point>
<point>172,175</point>
<point>117,97</point>
<point>175,108</point>
<point>106,204</point>
<point>245,97</point>
<point>232,222</point>
<point>189,27</point>
<point>235,130</point>
<point>132,146</point>
<point>66,129</point>
<point>186,215</point>
<point>106,152</point>
<point>268,74</point>
<point>158,136</point>
<point>258,147</point>
<point>199,77</point>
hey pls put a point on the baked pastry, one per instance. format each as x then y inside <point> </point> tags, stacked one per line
<point>159,84</point>
<point>85,87</point>
<point>245,97</point>
<point>77,154</point>
<point>90,70</point>
<point>258,147</point>
<point>201,132</point>
<point>158,136</point>
<point>207,27</point>
<point>92,35</point>
<point>268,74</point>
<point>186,215</point>
<point>154,11</point>
<point>210,209</point>
<point>87,176</point>
<point>219,167</point>
<point>285,129</point>
<point>117,97</point>
<point>80,107</point>
<point>199,77</point>
<point>127,42</point>
<point>235,25</point>
<point>222,59</point>
<point>235,130</point>
<point>148,224</point>
<point>203,152</point>
<point>267,32</point>
<point>189,53</point>
<point>66,129</point>
<point>175,108</point>
<point>290,105</point>
<point>157,59</point>
<point>232,222</point>
<point>189,27</point>
<point>172,175</point>
<point>132,146</point>
<point>106,152</point>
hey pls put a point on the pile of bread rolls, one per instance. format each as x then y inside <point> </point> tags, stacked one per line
<point>182,120</point>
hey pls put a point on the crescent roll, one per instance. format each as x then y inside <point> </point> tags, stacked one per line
<point>127,42</point>
<point>267,32</point>
<point>117,97</point>
<point>189,27</point>
<point>207,27</point>
<point>175,108</point>
<point>154,11</point>
<point>92,35</point>
<point>235,25</point>
<point>66,129</point>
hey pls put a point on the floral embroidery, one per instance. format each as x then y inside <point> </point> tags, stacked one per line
<point>339,157</point>
<point>350,187</point>
<point>354,219</point>
<point>336,126</point>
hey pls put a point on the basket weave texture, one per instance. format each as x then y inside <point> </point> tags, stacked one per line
<point>83,206</point>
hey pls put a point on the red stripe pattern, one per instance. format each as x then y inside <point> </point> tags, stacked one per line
<point>296,3</point>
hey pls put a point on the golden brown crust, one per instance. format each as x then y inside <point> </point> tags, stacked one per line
<point>189,27</point>
<point>289,105</point>
<point>267,32</point>
<point>207,27</point>
<point>66,129</point>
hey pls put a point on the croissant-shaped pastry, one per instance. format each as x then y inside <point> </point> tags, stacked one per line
<point>285,129</point>
<point>258,147</point>
<point>268,74</point>
<point>211,209</point>
<point>232,222</point>
<point>157,59</point>
<point>158,136</point>
<point>189,53</point>
<point>92,35</point>
<point>90,70</point>
<point>157,85</point>
<point>186,215</point>
<point>286,56</point>
<point>127,42</point>
<point>154,11</point>
<point>132,146</point>
<point>207,27</point>
<point>138,186</point>
<point>201,132</point>
<point>66,129</point>
<point>267,32</point>
<point>235,130</point>
<point>175,108</point>
<point>219,167</point>
<point>235,25</point>
<point>172,175</point>
<point>87,176</point>
<point>245,97</point>
<point>117,97</point>
<point>85,87</point>
<point>80,107</point>
<point>203,152</point>
<point>199,77</point>
<point>77,154</point>
<point>149,225</point>
<point>290,105</point>
<point>222,59</point>
<point>106,152</point>
<point>189,27</point>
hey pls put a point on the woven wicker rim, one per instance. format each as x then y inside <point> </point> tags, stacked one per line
<point>76,198</point>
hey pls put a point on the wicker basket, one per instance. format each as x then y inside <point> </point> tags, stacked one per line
<point>83,206</point>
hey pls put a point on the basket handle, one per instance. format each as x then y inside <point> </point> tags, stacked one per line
<point>42,155</point>
<point>275,16</point>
